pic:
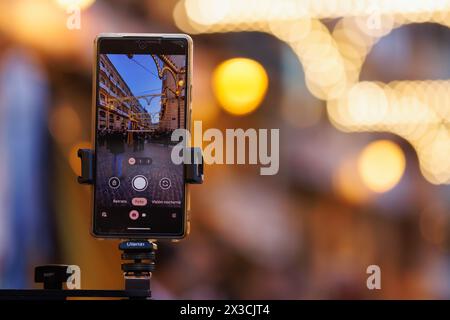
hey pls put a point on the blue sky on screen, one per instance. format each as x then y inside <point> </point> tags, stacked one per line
<point>141,76</point>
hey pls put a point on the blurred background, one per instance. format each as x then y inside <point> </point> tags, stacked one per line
<point>360,93</point>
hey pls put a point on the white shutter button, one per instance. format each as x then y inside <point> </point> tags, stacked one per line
<point>139,183</point>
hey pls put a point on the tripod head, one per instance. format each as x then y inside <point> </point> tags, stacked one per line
<point>138,273</point>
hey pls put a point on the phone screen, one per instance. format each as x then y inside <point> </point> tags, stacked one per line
<point>141,98</point>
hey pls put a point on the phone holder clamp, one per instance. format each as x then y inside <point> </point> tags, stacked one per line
<point>139,255</point>
<point>193,166</point>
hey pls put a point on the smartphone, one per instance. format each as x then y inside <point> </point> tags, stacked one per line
<point>142,93</point>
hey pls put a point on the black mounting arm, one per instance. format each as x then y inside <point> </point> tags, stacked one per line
<point>52,276</point>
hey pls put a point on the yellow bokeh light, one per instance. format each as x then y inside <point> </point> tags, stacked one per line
<point>240,85</point>
<point>206,12</point>
<point>381,165</point>
<point>332,60</point>
<point>348,184</point>
<point>82,4</point>
<point>65,125</point>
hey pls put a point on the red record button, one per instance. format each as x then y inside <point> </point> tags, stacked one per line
<point>134,215</point>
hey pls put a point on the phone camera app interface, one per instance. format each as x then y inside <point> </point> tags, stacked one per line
<point>141,101</point>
